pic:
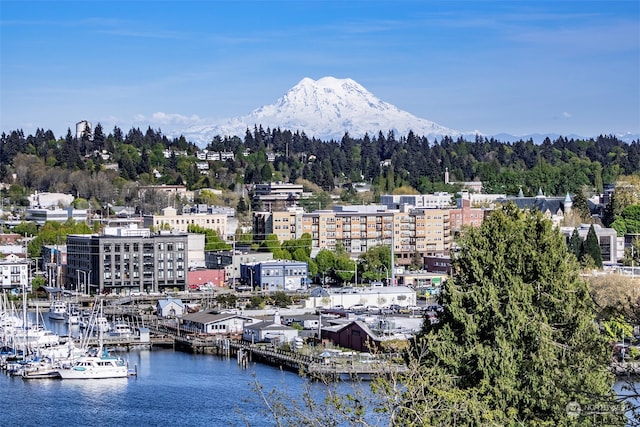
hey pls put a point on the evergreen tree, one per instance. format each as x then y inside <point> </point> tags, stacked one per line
<point>242,206</point>
<point>575,244</point>
<point>517,341</point>
<point>591,248</point>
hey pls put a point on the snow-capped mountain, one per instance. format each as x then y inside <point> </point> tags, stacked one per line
<point>326,109</point>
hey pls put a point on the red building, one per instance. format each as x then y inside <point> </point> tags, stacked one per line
<point>206,278</point>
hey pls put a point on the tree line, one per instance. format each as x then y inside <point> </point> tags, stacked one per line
<point>557,167</point>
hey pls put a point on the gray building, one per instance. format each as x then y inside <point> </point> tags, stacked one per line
<point>126,260</point>
<point>611,246</point>
<point>230,261</point>
<point>275,275</point>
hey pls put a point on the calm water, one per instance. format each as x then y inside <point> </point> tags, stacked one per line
<point>172,388</point>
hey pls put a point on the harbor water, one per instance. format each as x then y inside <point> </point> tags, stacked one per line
<point>171,388</point>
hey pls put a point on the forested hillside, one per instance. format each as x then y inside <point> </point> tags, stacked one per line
<point>85,166</point>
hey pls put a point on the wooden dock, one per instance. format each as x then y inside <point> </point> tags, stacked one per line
<point>305,365</point>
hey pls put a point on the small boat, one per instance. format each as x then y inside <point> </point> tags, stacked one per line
<point>72,315</point>
<point>57,310</point>
<point>121,329</point>
<point>40,369</point>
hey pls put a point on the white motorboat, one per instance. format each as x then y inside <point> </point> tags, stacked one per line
<point>97,366</point>
<point>57,310</point>
<point>121,329</point>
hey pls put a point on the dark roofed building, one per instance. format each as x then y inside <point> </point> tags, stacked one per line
<point>554,208</point>
<point>355,335</point>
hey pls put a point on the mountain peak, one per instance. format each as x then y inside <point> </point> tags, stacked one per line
<point>326,108</point>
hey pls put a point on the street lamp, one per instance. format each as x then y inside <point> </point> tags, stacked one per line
<point>386,273</point>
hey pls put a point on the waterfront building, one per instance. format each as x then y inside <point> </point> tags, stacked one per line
<point>54,262</point>
<point>170,308</point>
<point>216,323</point>
<point>269,331</point>
<point>126,260</point>
<point>354,334</point>
<point>275,275</point>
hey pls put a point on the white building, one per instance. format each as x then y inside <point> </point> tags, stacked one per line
<point>14,272</point>
<point>435,200</point>
<point>269,331</point>
<point>41,216</point>
<point>50,200</point>
<point>214,323</point>
<point>347,297</point>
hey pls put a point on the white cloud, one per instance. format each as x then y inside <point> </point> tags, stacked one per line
<point>566,115</point>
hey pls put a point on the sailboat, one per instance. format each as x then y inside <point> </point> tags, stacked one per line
<point>96,364</point>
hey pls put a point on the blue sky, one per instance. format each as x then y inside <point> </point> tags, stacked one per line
<point>567,67</point>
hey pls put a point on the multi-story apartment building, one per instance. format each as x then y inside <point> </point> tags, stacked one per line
<point>214,220</point>
<point>360,228</point>
<point>466,214</point>
<point>126,260</point>
<point>286,224</point>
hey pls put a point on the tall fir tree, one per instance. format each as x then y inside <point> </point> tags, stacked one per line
<point>517,341</point>
<point>575,244</point>
<point>591,248</point>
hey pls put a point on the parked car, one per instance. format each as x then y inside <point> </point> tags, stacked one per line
<point>357,307</point>
<point>373,309</point>
<point>386,310</point>
<point>395,307</point>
